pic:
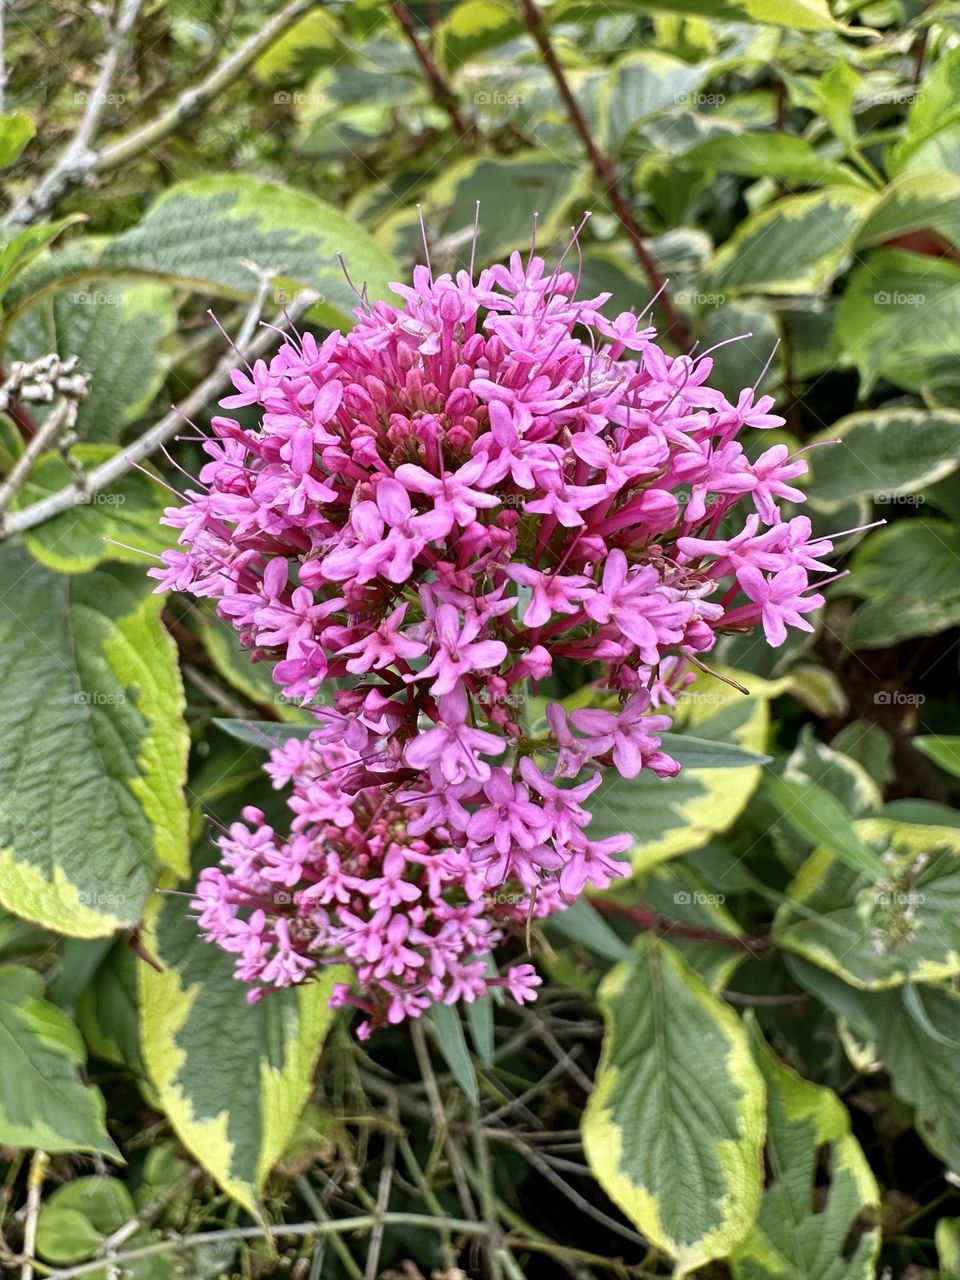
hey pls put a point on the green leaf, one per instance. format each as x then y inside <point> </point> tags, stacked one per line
<point>472,27</point>
<point>886,454</point>
<point>757,155</point>
<point>946,1236</point>
<point>812,761</point>
<point>43,1103</point>
<point>929,200</point>
<point>231,1076</point>
<point>923,1069</point>
<point>16,130</point>
<point>671,815</point>
<point>799,15</point>
<point>265,734</point>
<point>674,1129</point>
<point>822,820</point>
<point>880,931</point>
<point>701,753</point>
<point>480,1017</point>
<point>116,330</point>
<point>907,572</point>
<point>19,248</point>
<point>90,678</point>
<point>643,84</point>
<point>899,310</point>
<point>932,111</point>
<point>803,1231</point>
<point>447,1027</point>
<point>253,679</point>
<point>510,192</point>
<point>583,923</point>
<point>107,1013</point>
<point>200,232</point>
<point>74,541</point>
<point>795,246</point>
<point>676,892</point>
<point>942,751</point>
<point>76,1218</point>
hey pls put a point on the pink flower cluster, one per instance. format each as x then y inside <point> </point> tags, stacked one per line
<point>434,509</point>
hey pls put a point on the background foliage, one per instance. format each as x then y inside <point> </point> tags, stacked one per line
<point>745,1060</point>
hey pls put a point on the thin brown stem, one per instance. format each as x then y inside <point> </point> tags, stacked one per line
<point>651,922</point>
<point>603,168</point>
<point>440,89</point>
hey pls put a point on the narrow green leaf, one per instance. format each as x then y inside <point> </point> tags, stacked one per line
<point>942,751</point>
<point>701,753</point>
<point>452,1043</point>
<point>582,923</point>
<point>822,820</point>
<point>265,734</point>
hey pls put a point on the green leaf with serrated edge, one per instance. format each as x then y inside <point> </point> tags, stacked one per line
<point>907,573</point>
<point>641,85</point>
<point>942,751</point>
<point>923,1070</point>
<point>798,15</point>
<point>898,310</point>
<point>879,932</point>
<point>232,1077</point>
<point>812,761</point>
<point>674,1129</point>
<point>668,816</point>
<point>16,130</point>
<point>822,820</point>
<point>795,246</point>
<point>200,232</point>
<point>74,541</point>
<point>90,675</point>
<point>43,1103</point>
<point>253,679</point>
<point>793,1239</point>
<point>510,192</point>
<point>915,202</point>
<point>893,452</point>
<point>452,1043</point>
<point>757,155</point>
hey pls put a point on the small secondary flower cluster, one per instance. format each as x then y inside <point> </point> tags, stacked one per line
<point>434,508</point>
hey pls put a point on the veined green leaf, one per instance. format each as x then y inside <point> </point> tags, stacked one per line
<point>75,540</point>
<point>674,1130</point>
<point>822,820</point>
<point>90,675</point>
<point>942,751</point>
<point>200,232</point>
<point>795,246</point>
<point>671,815</point>
<point>879,932</point>
<point>792,1240</point>
<point>231,1076</point>
<point>886,454</point>
<point>43,1103</point>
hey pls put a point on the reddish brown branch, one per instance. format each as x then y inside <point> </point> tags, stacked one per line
<point>603,168</point>
<point>440,89</point>
<point>650,922</point>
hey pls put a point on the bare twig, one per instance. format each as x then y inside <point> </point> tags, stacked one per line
<point>440,89</point>
<point>62,418</point>
<point>383,1198</point>
<point>38,1172</point>
<point>191,101</point>
<point>604,170</point>
<point>42,381</point>
<point>78,157</point>
<point>291,1230</point>
<point>111,470</point>
<point>439,1117</point>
